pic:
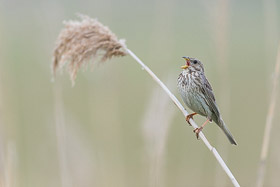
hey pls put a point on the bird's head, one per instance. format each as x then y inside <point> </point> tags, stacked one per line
<point>193,64</point>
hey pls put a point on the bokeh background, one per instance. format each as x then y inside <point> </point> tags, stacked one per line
<point>116,127</point>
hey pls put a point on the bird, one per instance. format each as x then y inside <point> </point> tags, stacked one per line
<point>198,95</point>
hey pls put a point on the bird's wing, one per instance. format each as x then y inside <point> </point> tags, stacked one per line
<point>206,89</point>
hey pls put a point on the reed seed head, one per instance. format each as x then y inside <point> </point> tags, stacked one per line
<point>81,41</point>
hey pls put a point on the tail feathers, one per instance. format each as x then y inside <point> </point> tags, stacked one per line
<point>222,125</point>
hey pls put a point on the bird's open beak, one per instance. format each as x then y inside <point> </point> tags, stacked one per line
<point>187,63</point>
<point>184,67</point>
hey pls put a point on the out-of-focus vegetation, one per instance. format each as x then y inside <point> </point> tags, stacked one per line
<point>95,134</point>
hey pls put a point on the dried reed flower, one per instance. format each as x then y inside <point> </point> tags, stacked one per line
<point>83,40</point>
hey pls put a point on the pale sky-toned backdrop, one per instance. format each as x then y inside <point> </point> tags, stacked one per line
<point>97,132</point>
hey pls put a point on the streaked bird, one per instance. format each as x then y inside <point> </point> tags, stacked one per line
<point>198,95</point>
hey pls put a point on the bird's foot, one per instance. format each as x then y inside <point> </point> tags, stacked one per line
<point>190,116</point>
<point>197,131</point>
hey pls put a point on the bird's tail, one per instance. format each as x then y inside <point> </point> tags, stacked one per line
<point>222,125</point>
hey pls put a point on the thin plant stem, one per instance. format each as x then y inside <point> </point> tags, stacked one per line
<point>156,131</point>
<point>80,41</point>
<point>268,126</point>
<point>61,138</point>
<point>185,113</point>
<point>220,28</point>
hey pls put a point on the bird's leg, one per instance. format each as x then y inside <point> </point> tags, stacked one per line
<point>190,116</point>
<point>197,130</point>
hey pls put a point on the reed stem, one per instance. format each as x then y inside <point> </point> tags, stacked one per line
<point>185,113</point>
<point>268,125</point>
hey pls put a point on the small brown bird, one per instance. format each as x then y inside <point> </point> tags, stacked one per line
<point>198,95</point>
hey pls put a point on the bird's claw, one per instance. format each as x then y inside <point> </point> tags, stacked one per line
<point>188,117</point>
<point>197,131</point>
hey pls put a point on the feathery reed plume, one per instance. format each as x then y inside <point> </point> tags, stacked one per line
<point>268,125</point>
<point>118,51</point>
<point>83,40</point>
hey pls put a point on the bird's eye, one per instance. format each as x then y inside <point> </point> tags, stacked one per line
<point>195,61</point>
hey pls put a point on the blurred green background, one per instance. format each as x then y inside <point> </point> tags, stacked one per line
<point>115,127</point>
